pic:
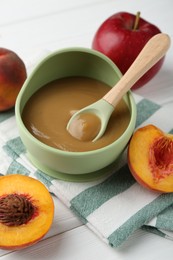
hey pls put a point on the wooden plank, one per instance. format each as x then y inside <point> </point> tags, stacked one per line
<point>81,244</point>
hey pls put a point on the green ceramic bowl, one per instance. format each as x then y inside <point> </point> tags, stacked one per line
<point>72,166</point>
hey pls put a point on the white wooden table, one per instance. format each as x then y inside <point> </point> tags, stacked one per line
<point>31,27</point>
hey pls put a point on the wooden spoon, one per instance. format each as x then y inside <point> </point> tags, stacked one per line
<point>152,52</point>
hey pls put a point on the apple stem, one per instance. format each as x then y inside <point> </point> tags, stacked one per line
<point>136,24</point>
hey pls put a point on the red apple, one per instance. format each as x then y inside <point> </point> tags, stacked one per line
<point>12,77</point>
<point>121,37</point>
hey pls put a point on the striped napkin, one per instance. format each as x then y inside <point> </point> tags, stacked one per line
<point>114,206</point>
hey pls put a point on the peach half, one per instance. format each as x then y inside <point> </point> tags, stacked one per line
<point>12,76</point>
<point>26,211</point>
<point>150,158</point>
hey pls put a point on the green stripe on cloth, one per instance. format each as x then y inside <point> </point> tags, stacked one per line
<point>43,178</point>
<point>165,219</point>
<point>16,167</point>
<point>92,198</point>
<point>81,217</point>
<point>10,152</point>
<point>171,131</point>
<point>16,146</point>
<point>142,217</point>
<point>6,115</point>
<point>145,109</point>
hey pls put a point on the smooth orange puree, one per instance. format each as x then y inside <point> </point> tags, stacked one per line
<point>48,111</point>
<point>85,126</point>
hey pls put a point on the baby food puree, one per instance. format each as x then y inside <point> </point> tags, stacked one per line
<point>48,111</point>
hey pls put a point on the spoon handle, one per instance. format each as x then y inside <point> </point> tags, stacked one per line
<point>152,52</point>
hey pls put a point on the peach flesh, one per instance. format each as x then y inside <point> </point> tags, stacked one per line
<point>161,158</point>
<point>26,211</point>
<point>150,158</point>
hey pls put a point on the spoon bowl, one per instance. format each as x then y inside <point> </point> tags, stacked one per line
<point>152,52</point>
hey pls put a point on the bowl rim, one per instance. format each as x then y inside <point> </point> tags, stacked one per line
<point>132,105</point>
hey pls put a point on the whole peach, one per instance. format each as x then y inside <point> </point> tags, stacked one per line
<point>12,76</point>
